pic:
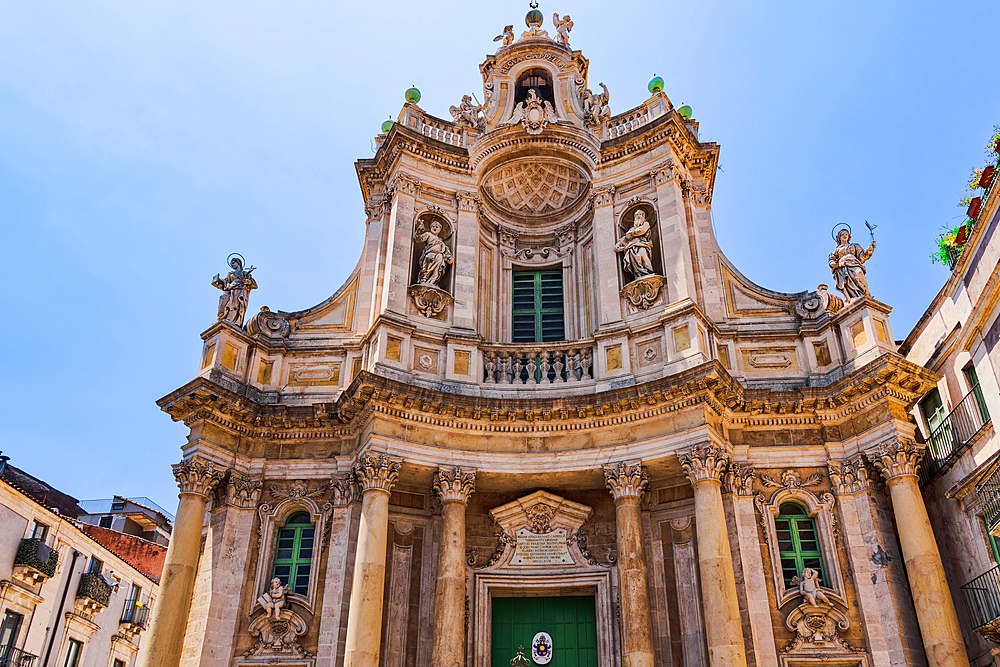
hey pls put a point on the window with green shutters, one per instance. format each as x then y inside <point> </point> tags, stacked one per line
<point>293,553</point>
<point>538,306</point>
<point>798,543</point>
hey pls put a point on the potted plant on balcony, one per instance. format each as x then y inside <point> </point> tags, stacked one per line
<point>950,245</point>
<point>34,562</point>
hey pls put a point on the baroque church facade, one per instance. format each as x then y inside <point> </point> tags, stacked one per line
<point>545,420</point>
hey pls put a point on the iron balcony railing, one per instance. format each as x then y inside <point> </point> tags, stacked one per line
<point>33,553</point>
<point>137,614</point>
<point>982,598</point>
<point>94,587</point>
<point>963,424</point>
<point>15,657</point>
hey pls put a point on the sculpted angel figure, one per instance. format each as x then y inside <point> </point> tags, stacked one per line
<point>563,26</point>
<point>507,36</point>
<point>809,588</point>
<point>847,262</point>
<point>637,247</point>
<point>596,108</point>
<point>467,112</point>
<point>235,288</point>
<point>273,599</point>
<point>435,257</point>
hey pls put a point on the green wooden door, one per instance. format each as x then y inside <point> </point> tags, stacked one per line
<point>572,622</point>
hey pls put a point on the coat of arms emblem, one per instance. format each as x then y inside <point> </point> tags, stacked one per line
<point>541,648</point>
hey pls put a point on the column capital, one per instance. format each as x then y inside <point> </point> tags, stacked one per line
<point>468,201</point>
<point>454,484</point>
<point>626,479</point>
<point>376,471</point>
<point>242,491</point>
<point>404,184</point>
<point>197,476</point>
<point>664,173</point>
<point>849,477</point>
<point>896,458</point>
<point>603,195</point>
<point>703,464</point>
<point>739,479</point>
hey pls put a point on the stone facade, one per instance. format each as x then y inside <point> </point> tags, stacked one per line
<point>644,457</point>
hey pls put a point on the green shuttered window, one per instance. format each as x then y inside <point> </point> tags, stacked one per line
<point>293,553</point>
<point>538,307</point>
<point>798,543</point>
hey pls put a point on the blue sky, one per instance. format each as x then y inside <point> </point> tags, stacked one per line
<point>140,146</point>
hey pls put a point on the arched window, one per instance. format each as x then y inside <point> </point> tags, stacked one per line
<point>798,543</point>
<point>537,78</point>
<point>293,553</point>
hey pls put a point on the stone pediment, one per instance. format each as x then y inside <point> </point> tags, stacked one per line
<point>543,511</point>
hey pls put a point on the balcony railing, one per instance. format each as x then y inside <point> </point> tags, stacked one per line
<point>15,657</point>
<point>537,364</point>
<point>982,600</point>
<point>92,587</point>
<point>137,614</point>
<point>34,560</point>
<point>963,424</point>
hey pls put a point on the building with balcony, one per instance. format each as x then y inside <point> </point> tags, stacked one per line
<point>545,418</point>
<point>68,598</point>
<point>134,516</point>
<point>957,338</point>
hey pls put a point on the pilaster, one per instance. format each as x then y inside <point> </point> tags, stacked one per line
<point>675,242</point>
<point>399,244</point>
<point>466,240</point>
<point>605,257</point>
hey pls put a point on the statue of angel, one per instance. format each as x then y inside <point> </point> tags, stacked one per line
<point>235,288</point>
<point>637,247</point>
<point>596,108</point>
<point>507,36</point>
<point>847,262</point>
<point>808,584</point>
<point>436,255</point>
<point>563,26</point>
<point>273,599</point>
<point>468,113</point>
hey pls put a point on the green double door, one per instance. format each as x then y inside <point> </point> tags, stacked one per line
<point>571,621</point>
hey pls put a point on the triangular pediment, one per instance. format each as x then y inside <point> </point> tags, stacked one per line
<point>541,512</point>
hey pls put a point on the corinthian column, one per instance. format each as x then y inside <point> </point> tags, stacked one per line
<point>196,479</point>
<point>628,481</point>
<point>376,475</point>
<point>453,486</point>
<point>704,467</point>
<point>939,629</point>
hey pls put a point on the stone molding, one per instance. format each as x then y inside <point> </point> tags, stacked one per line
<point>626,479</point>
<point>242,491</point>
<point>376,472</point>
<point>197,476</point>
<point>454,485</point>
<point>704,464</point>
<point>664,173</point>
<point>896,458</point>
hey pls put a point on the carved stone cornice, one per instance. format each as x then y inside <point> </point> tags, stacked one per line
<point>195,475</point>
<point>739,479</point>
<point>468,201</point>
<point>704,464</point>
<point>896,458</point>
<point>376,472</point>
<point>242,491</point>
<point>454,484</point>
<point>849,477</point>
<point>602,196</point>
<point>626,479</point>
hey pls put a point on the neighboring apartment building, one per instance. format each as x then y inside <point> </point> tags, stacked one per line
<point>957,337</point>
<point>71,594</point>
<point>134,516</point>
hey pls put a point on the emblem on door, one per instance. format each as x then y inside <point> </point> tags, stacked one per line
<point>541,648</point>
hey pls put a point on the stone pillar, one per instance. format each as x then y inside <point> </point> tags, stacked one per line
<point>609,306</point>
<point>399,245</point>
<point>376,475</point>
<point>196,479</point>
<point>705,466</point>
<point>466,244</point>
<point>627,482</point>
<point>939,629</point>
<point>453,486</point>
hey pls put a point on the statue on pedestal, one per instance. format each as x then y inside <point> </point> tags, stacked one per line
<point>235,288</point>
<point>637,247</point>
<point>468,113</point>
<point>847,262</point>
<point>274,598</point>
<point>435,257</point>
<point>563,26</point>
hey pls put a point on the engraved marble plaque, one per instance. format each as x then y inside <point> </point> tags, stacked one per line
<point>541,549</point>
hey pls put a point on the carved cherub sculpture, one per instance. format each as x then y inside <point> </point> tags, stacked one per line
<point>507,36</point>
<point>235,288</point>
<point>596,108</point>
<point>273,599</point>
<point>436,255</point>
<point>468,113</point>
<point>808,584</point>
<point>563,26</point>
<point>847,262</point>
<point>637,246</point>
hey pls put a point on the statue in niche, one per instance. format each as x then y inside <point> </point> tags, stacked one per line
<point>274,598</point>
<point>596,108</point>
<point>637,246</point>
<point>435,257</point>
<point>847,262</point>
<point>468,113</point>
<point>507,36</point>
<point>235,288</point>
<point>808,584</point>
<point>563,26</point>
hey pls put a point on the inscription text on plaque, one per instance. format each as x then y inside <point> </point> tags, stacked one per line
<point>541,549</point>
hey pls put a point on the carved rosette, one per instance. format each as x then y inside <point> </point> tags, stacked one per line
<point>430,300</point>
<point>643,293</point>
<point>454,485</point>
<point>376,472</point>
<point>896,459</point>
<point>627,479</point>
<point>197,476</point>
<point>704,464</point>
<point>242,491</point>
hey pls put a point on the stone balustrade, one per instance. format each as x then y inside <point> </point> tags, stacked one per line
<point>538,364</point>
<point>626,122</point>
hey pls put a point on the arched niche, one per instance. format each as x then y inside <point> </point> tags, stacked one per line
<point>625,222</point>
<point>427,219</point>
<point>538,78</point>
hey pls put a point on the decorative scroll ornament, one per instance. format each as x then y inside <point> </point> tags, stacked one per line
<point>454,484</point>
<point>235,288</point>
<point>242,491</point>
<point>376,471</point>
<point>817,625</point>
<point>849,477</point>
<point>791,479</point>
<point>429,300</point>
<point>740,479</point>
<point>644,292</point>
<point>812,305</point>
<point>540,516</point>
<point>896,459</point>
<point>195,475</point>
<point>269,323</point>
<point>704,463</point>
<point>534,113</point>
<point>276,637</point>
<point>627,479</point>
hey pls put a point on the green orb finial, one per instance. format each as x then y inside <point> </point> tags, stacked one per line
<point>655,84</point>
<point>413,94</point>
<point>685,112</point>
<point>387,125</point>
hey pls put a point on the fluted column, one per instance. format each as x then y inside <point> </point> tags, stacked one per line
<point>939,629</point>
<point>196,479</point>
<point>376,475</point>
<point>627,482</point>
<point>705,467</point>
<point>453,486</point>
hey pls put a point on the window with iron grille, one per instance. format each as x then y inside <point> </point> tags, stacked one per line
<point>293,553</point>
<point>537,313</point>
<point>798,543</point>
